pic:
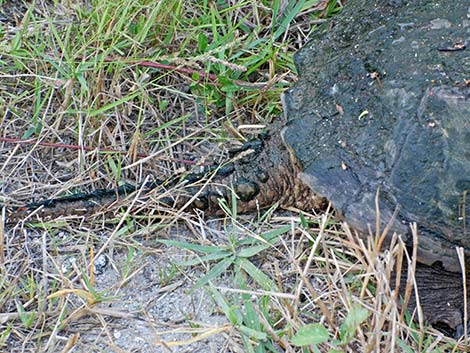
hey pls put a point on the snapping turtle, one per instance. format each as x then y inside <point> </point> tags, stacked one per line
<point>382,105</point>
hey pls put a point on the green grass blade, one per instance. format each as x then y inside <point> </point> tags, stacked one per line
<point>230,311</point>
<point>290,14</point>
<point>251,251</point>
<point>251,333</point>
<point>271,236</point>
<point>215,272</point>
<point>208,258</point>
<point>194,247</point>
<point>262,279</point>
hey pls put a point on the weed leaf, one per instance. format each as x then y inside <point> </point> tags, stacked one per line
<point>310,334</point>
<point>356,316</point>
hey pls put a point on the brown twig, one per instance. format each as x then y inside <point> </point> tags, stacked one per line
<point>184,70</point>
<point>167,67</point>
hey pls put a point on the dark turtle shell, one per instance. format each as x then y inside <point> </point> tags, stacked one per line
<point>383,104</point>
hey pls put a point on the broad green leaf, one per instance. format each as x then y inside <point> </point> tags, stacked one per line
<point>230,88</point>
<point>163,104</point>
<point>202,42</point>
<point>356,316</point>
<point>310,334</point>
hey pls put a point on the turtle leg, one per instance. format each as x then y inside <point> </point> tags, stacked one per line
<point>261,173</point>
<point>441,297</point>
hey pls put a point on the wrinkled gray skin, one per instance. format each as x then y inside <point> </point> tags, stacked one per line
<point>382,103</point>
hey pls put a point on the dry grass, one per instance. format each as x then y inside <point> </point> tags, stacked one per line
<point>79,111</point>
